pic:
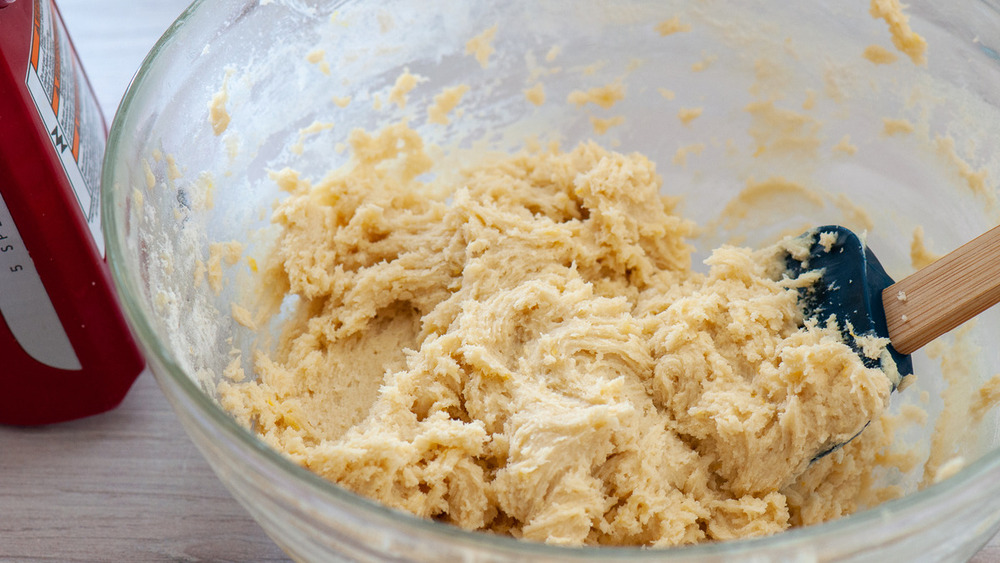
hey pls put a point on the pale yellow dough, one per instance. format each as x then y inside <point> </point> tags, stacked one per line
<point>903,37</point>
<point>526,350</point>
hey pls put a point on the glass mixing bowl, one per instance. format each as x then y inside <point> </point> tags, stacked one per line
<point>179,178</point>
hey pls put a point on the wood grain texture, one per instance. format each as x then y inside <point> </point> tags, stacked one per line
<point>945,294</point>
<point>127,485</point>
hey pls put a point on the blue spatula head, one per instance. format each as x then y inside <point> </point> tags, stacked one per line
<point>850,288</point>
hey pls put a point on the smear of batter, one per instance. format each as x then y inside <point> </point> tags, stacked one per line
<point>601,125</point>
<point>603,96</point>
<point>687,115</point>
<point>810,102</point>
<point>218,116</point>
<point>481,46</point>
<point>892,127</point>
<point>680,156</point>
<point>404,84</point>
<point>769,194</point>
<point>879,55</point>
<point>778,130</point>
<point>975,179</point>
<point>148,172</point>
<point>444,103</point>
<point>903,37</point>
<point>314,128</point>
<point>318,57</point>
<point>527,350</point>
<point>920,256</point>
<point>535,94</point>
<point>671,26</point>
<point>988,397</point>
<point>845,146</point>
<point>704,63</point>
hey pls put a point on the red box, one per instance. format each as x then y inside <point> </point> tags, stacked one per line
<point>65,349</point>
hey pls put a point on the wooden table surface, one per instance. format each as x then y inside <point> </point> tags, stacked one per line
<point>127,485</point>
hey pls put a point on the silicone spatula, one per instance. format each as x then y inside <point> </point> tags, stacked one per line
<point>910,312</point>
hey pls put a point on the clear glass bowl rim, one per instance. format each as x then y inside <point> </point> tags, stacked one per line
<point>930,497</point>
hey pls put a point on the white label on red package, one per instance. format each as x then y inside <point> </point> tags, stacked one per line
<point>25,305</point>
<point>69,112</point>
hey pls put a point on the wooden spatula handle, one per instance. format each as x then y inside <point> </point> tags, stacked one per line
<point>945,294</point>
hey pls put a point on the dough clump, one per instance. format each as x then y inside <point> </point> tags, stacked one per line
<point>524,348</point>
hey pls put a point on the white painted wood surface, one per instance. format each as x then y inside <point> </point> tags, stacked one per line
<point>127,485</point>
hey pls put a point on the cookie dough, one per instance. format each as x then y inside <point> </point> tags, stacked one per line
<point>526,349</point>
<point>903,37</point>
